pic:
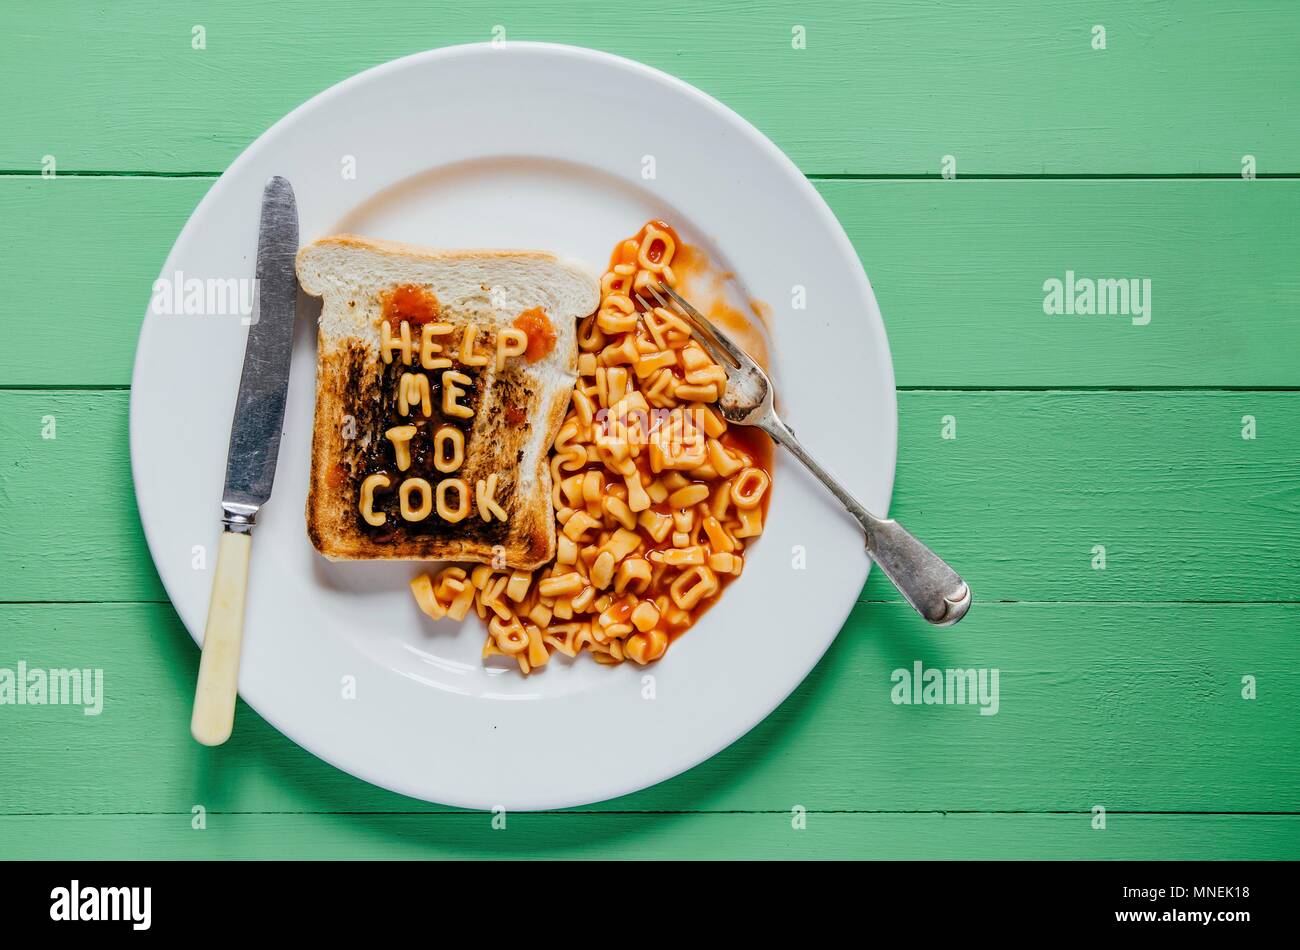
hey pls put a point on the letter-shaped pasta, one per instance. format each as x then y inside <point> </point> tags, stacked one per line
<point>623,543</point>
<point>751,523</point>
<point>589,336</point>
<point>656,524</point>
<point>453,589</point>
<point>602,570</point>
<point>572,455</point>
<point>561,586</point>
<point>429,350</point>
<point>413,390</point>
<point>681,557</point>
<point>409,511</point>
<point>653,362</point>
<point>491,597</point>
<point>510,342</point>
<point>537,654</point>
<point>579,524</point>
<point>401,437</point>
<point>692,586</point>
<point>448,435</point>
<point>387,344</point>
<point>719,540</point>
<point>633,575</point>
<point>369,485</point>
<point>517,587</point>
<point>646,256</point>
<point>485,496</point>
<point>582,602</point>
<point>646,647</point>
<point>445,511</point>
<point>721,563</point>
<point>645,616</point>
<point>713,424</point>
<point>617,314</point>
<point>723,462</point>
<point>637,499</point>
<point>422,588</point>
<point>617,509</point>
<point>593,488</point>
<point>583,406</point>
<point>572,489</point>
<point>620,354</point>
<point>467,354</point>
<point>451,392</point>
<point>510,636</point>
<point>689,496</point>
<point>748,487</point>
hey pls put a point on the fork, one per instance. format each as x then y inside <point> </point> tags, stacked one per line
<point>934,589</point>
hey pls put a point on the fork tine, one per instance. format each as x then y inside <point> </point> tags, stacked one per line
<point>649,307</point>
<point>739,357</point>
<point>701,332</point>
<point>654,289</point>
<point>715,351</point>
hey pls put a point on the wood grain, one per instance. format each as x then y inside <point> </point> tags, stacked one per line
<point>1006,87</point>
<point>1132,707</point>
<point>569,836</point>
<point>958,267</point>
<point>1185,508</point>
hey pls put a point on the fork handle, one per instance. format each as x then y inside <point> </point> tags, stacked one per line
<point>934,589</point>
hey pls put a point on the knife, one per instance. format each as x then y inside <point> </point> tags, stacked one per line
<point>250,462</point>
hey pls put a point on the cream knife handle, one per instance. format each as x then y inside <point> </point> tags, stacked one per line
<point>214,699</point>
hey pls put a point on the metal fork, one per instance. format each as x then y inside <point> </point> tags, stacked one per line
<point>934,589</point>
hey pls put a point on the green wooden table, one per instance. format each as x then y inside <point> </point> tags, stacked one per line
<point>1153,141</point>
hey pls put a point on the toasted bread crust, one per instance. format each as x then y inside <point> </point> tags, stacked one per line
<point>420,252</point>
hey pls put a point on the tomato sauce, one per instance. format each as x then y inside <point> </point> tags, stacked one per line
<point>540,332</point>
<point>412,303</point>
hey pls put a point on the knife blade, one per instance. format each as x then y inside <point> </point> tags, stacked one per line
<point>259,407</point>
<point>251,458</point>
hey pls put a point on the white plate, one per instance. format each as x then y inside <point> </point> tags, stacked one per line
<point>524,145</point>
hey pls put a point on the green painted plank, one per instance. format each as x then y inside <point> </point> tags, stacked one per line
<point>652,837</point>
<point>1132,707</point>
<point>1012,86</point>
<point>960,276</point>
<point>959,268</point>
<point>1185,508</point>
<point>84,252</point>
<point>72,530</point>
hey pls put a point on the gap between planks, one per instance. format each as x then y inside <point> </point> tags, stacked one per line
<point>651,812</point>
<point>811,176</point>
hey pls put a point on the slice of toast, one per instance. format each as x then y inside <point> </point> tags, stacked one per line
<point>516,409</point>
